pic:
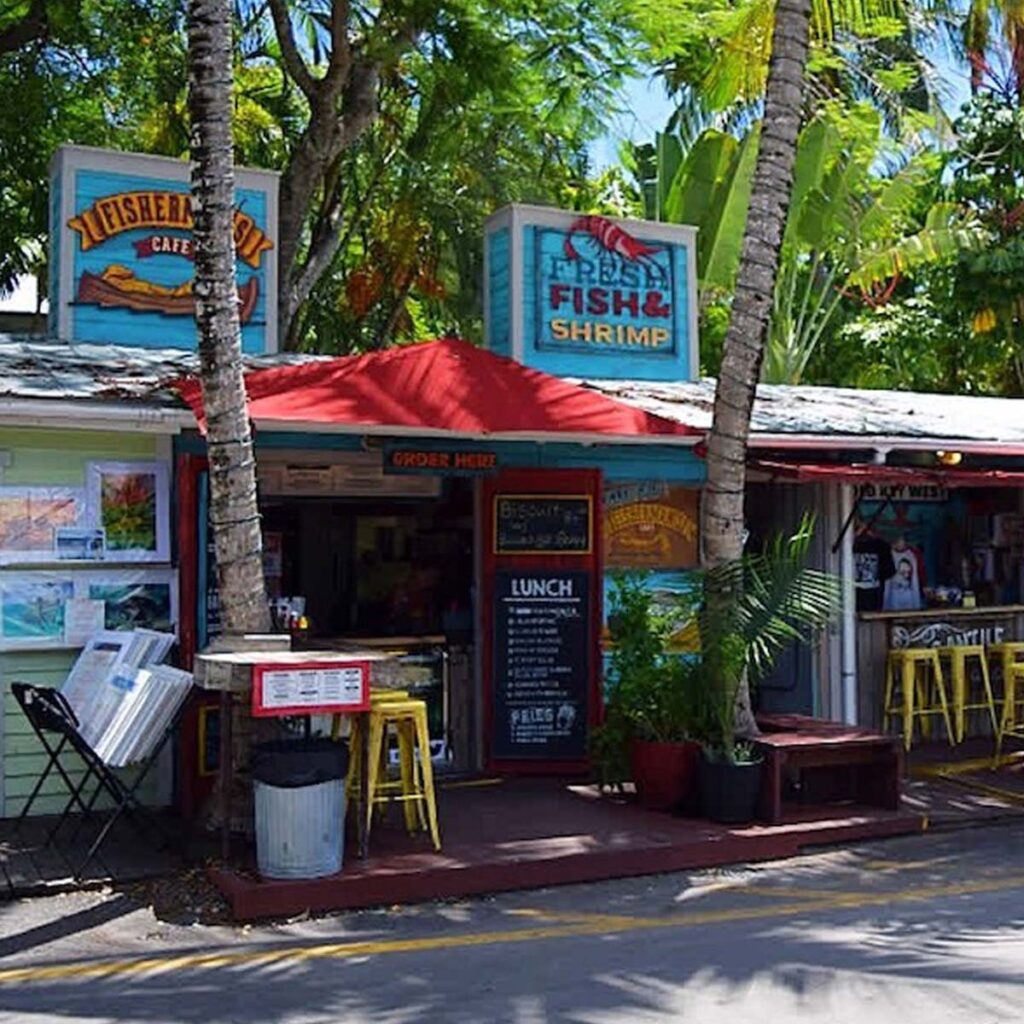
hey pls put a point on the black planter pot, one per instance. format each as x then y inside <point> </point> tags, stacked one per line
<point>729,792</point>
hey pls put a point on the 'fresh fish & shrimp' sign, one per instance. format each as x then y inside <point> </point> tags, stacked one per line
<point>583,295</point>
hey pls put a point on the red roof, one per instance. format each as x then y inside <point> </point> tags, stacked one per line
<point>439,387</point>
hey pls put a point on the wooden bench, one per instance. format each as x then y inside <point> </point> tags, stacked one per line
<point>869,763</point>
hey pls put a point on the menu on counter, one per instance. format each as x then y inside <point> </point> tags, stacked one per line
<point>542,667</point>
<point>543,524</point>
<point>307,689</point>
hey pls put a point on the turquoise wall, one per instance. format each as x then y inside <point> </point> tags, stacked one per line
<point>498,291</point>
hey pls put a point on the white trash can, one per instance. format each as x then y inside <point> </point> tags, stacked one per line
<point>299,788</point>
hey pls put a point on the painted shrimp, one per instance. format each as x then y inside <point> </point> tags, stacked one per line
<point>611,237</point>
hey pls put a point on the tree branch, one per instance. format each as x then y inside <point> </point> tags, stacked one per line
<point>341,51</point>
<point>293,62</point>
<point>34,25</point>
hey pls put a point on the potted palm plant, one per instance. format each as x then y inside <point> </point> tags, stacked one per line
<point>752,609</point>
<point>650,716</point>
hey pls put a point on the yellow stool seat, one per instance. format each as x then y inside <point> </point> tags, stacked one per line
<point>915,690</point>
<point>415,787</point>
<point>959,659</point>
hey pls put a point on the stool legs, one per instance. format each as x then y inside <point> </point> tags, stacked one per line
<point>427,767</point>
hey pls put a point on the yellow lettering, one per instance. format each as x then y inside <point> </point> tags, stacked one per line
<point>659,336</point>
<point>559,329</point>
<point>579,331</point>
<point>637,336</point>
<point>603,333</point>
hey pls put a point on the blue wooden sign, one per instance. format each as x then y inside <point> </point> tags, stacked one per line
<point>588,296</point>
<point>121,251</point>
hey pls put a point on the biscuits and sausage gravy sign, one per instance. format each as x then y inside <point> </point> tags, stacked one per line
<point>121,272</point>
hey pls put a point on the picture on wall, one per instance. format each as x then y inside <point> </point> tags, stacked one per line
<point>129,501</point>
<point>30,518</point>
<point>32,610</point>
<point>134,605</point>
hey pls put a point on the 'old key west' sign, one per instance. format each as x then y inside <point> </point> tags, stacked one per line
<point>591,296</point>
<point>121,228</point>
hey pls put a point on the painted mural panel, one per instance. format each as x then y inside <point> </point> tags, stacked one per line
<point>123,237</point>
<point>650,525</point>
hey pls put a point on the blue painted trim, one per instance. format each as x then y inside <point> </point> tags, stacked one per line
<point>671,462</point>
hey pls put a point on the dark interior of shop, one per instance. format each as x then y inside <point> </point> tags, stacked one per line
<point>377,568</point>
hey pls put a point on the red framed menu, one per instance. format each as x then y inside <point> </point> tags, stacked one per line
<point>310,688</point>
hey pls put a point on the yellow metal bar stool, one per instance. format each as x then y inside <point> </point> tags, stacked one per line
<point>385,784</point>
<point>1010,658</point>
<point>959,661</point>
<point>415,787</point>
<point>915,689</point>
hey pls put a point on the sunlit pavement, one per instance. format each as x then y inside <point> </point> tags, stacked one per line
<point>926,929</point>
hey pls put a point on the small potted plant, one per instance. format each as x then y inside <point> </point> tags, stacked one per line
<point>752,609</point>
<point>647,735</point>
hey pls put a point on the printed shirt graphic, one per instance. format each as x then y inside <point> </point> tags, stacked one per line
<point>872,566</point>
<point>903,588</point>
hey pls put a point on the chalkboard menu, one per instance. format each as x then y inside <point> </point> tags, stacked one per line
<point>541,669</point>
<point>527,524</point>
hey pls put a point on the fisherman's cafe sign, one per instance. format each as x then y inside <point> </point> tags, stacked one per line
<point>590,296</point>
<point>122,272</point>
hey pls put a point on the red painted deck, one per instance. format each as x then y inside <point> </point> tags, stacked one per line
<point>527,833</point>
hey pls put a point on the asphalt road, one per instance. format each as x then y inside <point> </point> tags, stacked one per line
<point>926,930</point>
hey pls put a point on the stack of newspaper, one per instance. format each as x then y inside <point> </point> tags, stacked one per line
<point>123,697</point>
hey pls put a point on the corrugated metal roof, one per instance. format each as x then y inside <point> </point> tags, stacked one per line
<point>836,412</point>
<point>32,367</point>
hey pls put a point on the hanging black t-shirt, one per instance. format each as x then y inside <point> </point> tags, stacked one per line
<point>872,566</point>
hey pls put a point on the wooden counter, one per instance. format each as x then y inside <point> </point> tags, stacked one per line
<point>1005,610</point>
<point>878,632</point>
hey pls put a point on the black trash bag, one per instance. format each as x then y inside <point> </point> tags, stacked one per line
<point>290,764</point>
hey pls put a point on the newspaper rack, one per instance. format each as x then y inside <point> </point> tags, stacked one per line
<point>117,708</point>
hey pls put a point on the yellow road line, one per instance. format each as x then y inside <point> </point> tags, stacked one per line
<point>902,865</point>
<point>796,892</point>
<point>600,925</point>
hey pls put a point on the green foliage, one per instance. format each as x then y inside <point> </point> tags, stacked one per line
<point>714,53</point>
<point>752,609</point>
<point>489,102</point>
<point>744,614</point>
<point>654,692</point>
<point>89,77</point>
<point>863,215</point>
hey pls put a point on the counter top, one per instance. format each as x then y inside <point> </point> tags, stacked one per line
<point>232,670</point>
<point>991,612</point>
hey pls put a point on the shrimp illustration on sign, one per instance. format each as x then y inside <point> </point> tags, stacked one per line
<point>613,238</point>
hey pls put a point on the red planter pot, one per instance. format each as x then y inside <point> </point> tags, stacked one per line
<point>665,774</point>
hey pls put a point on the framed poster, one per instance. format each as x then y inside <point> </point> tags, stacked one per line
<point>134,598</point>
<point>130,501</point>
<point>32,609</point>
<point>32,520</point>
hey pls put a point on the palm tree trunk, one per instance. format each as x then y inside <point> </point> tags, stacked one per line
<point>234,512</point>
<point>743,350</point>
